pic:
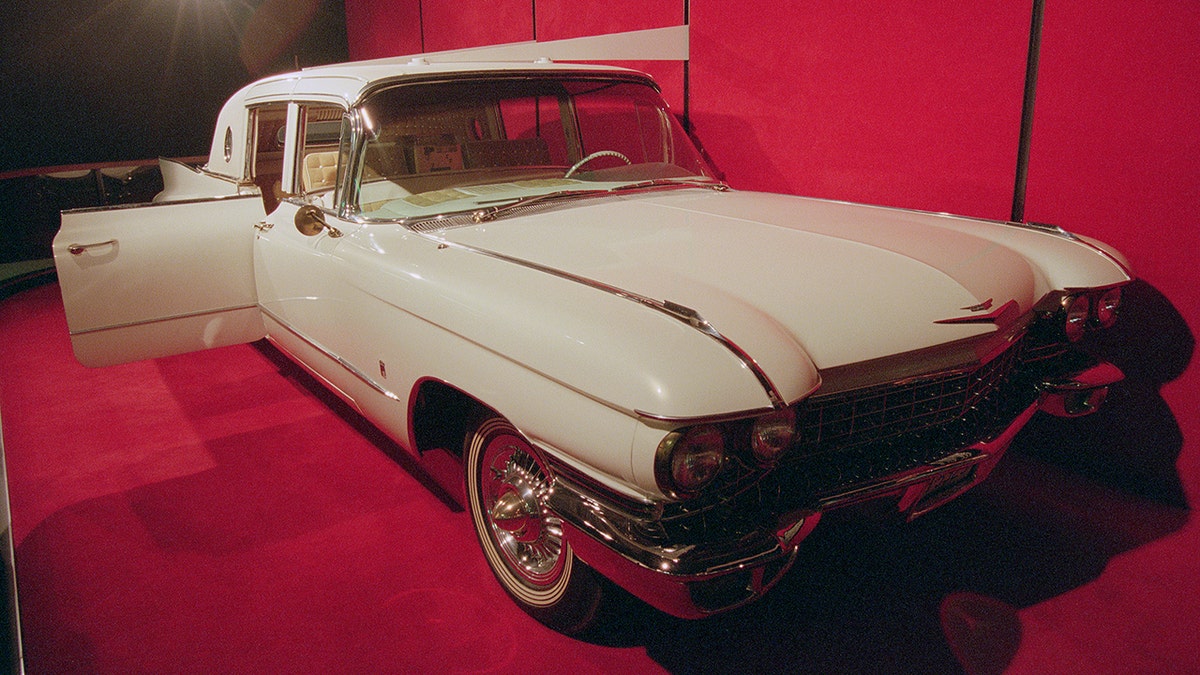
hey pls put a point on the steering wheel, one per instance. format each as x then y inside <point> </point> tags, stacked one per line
<point>596,155</point>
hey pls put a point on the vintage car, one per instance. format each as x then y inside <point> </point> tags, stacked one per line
<point>641,373</point>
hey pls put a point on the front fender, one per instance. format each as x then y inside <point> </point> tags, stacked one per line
<point>616,351</point>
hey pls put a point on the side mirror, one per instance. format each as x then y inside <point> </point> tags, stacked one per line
<point>310,221</point>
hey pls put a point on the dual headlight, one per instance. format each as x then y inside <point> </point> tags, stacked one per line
<point>1094,309</point>
<point>690,459</point>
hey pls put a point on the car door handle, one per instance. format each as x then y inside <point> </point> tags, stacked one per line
<point>80,249</point>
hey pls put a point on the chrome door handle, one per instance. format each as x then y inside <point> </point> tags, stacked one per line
<point>79,249</point>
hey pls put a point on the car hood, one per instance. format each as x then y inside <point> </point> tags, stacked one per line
<point>783,278</point>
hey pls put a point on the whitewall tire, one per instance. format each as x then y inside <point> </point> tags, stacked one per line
<point>508,483</point>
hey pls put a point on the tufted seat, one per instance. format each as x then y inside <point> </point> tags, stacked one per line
<point>320,170</point>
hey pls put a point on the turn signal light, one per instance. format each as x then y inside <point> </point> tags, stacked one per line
<point>771,435</point>
<point>1107,306</point>
<point>1079,312</point>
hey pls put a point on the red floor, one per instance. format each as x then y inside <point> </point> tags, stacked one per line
<point>215,513</point>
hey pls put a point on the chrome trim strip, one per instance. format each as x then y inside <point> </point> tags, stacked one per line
<point>967,457</point>
<point>705,419</point>
<point>176,317</point>
<point>679,312</point>
<point>330,355</point>
<point>725,417</point>
<point>145,205</point>
<point>410,79</point>
<point>1042,227</point>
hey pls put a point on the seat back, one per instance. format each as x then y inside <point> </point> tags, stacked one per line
<point>320,170</point>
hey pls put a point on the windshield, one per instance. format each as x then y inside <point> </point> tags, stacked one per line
<point>449,147</point>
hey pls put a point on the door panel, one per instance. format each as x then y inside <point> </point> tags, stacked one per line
<point>300,285</point>
<point>153,280</point>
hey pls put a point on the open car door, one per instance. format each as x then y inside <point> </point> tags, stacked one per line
<point>151,280</point>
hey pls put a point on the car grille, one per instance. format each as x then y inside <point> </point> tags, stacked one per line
<point>858,436</point>
<point>885,411</point>
<point>853,438</point>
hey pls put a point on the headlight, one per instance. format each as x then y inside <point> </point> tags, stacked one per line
<point>1079,312</point>
<point>689,459</point>
<point>771,435</point>
<point>1106,307</point>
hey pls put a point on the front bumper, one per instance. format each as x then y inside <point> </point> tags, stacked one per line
<point>696,579</point>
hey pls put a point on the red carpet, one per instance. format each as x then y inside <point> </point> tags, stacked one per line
<point>215,513</point>
<point>207,513</point>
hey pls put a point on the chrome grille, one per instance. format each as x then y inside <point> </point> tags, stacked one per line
<point>885,411</point>
<point>863,435</point>
<point>859,437</point>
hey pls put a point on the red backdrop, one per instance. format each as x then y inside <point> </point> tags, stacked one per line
<point>917,104</point>
<point>913,103</point>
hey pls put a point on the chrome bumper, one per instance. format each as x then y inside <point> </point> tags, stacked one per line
<point>696,580</point>
<point>1080,394</point>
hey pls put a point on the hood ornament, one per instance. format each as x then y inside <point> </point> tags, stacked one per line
<point>986,304</point>
<point>996,316</point>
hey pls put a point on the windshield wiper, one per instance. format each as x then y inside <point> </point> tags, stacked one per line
<point>672,182</point>
<point>492,213</point>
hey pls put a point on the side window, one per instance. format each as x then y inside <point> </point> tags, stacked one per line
<point>268,125</point>
<point>317,155</point>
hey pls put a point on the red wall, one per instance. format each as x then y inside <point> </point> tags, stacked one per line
<point>1116,145</point>
<point>917,104</point>
<point>1116,155</point>
<point>383,28</point>
<point>897,106</point>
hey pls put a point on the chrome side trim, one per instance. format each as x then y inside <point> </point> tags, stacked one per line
<point>676,311</point>
<point>175,317</point>
<point>146,205</point>
<point>705,419</point>
<point>331,356</point>
<point>724,417</point>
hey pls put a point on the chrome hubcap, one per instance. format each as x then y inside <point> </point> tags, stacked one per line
<point>515,491</point>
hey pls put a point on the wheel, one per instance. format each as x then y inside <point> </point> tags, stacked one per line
<point>522,540</point>
<point>595,155</point>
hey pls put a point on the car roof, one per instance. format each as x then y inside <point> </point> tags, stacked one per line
<point>347,83</point>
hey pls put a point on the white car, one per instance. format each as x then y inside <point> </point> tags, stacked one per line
<point>644,373</point>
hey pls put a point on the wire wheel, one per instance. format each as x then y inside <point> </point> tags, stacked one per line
<point>508,485</point>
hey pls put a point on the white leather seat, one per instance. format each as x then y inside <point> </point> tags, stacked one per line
<point>320,170</point>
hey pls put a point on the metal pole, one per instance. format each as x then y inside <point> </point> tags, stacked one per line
<point>687,75</point>
<point>1031,73</point>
